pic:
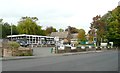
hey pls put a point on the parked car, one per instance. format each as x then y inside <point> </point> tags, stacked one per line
<point>22,43</point>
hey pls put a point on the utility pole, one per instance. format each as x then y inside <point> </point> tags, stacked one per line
<point>11,31</point>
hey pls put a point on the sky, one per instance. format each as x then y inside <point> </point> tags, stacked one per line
<point>56,13</point>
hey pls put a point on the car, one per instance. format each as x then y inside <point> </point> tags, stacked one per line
<point>22,43</point>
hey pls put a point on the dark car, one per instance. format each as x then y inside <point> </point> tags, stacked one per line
<point>22,43</point>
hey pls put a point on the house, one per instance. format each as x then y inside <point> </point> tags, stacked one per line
<point>74,39</point>
<point>63,36</point>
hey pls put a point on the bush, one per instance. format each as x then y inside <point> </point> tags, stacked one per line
<point>25,54</point>
<point>13,45</point>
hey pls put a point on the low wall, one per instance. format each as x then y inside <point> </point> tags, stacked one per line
<point>20,52</point>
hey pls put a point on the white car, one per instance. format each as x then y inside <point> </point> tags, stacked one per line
<point>82,47</point>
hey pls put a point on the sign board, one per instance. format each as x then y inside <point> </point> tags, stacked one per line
<point>103,44</point>
<point>56,38</point>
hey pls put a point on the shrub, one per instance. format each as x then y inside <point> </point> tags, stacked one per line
<point>13,45</point>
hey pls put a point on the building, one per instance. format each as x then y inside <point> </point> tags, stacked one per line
<point>63,36</point>
<point>33,39</point>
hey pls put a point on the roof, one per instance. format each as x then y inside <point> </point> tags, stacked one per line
<point>29,36</point>
<point>59,34</point>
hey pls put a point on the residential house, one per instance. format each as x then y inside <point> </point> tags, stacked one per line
<point>63,36</point>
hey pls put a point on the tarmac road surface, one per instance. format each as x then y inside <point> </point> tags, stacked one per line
<point>103,61</point>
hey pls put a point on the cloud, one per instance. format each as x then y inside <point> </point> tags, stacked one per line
<point>56,13</point>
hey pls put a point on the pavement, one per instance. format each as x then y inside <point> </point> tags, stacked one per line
<point>52,54</point>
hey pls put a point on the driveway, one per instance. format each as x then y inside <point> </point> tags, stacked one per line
<point>42,51</point>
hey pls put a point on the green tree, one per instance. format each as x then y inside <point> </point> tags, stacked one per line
<point>28,25</point>
<point>113,21</point>
<point>61,30</point>
<point>6,30</point>
<point>14,30</point>
<point>1,23</point>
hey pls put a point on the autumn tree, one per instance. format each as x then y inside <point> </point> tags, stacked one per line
<point>81,35</point>
<point>100,26</point>
<point>108,26</point>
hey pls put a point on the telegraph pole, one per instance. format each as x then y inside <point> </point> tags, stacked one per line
<point>11,31</point>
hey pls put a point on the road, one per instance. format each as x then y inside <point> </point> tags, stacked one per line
<point>103,61</point>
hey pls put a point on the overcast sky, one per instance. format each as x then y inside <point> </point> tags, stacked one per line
<point>56,13</point>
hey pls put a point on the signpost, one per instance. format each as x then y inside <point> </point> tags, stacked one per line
<point>56,43</point>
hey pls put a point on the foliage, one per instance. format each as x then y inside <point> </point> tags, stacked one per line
<point>28,25</point>
<point>81,35</point>
<point>50,29</point>
<point>13,45</point>
<point>61,30</point>
<point>72,29</point>
<point>25,25</point>
<point>1,28</point>
<point>26,54</point>
<point>14,30</point>
<point>113,32</point>
<point>108,26</point>
<point>100,26</point>
<point>6,29</point>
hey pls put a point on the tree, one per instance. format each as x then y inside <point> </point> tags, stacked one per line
<point>81,35</point>
<point>61,30</point>
<point>91,35</point>
<point>100,26</point>
<point>50,29</point>
<point>72,29</point>
<point>14,30</point>
<point>28,25</point>
<point>108,26</point>
<point>113,21</point>
<point>6,30</point>
<point>1,23</point>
